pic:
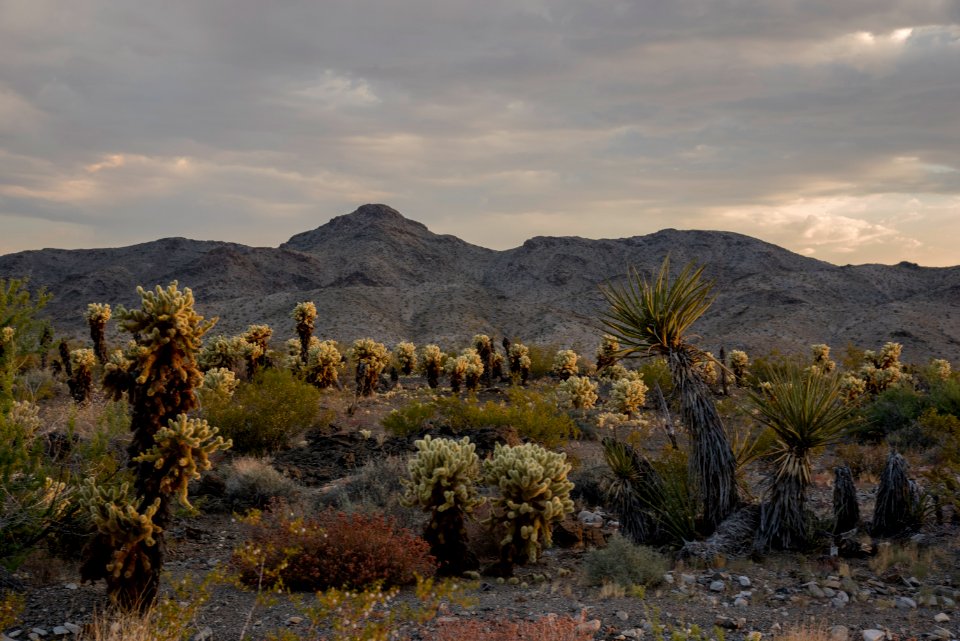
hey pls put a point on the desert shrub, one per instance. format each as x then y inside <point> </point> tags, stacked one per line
<point>889,412</point>
<point>655,372</point>
<point>534,416</point>
<point>943,475</point>
<point>863,459</point>
<point>541,359</point>
<point>624,564</point>
<point>266,412</point>
<point>577,392</point>
<point>331,550</point>
<point>254,483</point>
<point>545,628</point>
<point>534,493</point>
<point>945,396</point>
<point>374,488</point>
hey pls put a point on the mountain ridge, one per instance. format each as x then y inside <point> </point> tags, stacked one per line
<point>375,272</point>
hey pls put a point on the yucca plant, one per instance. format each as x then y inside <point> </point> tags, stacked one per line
<point>846,511</point>
<point>898,508</point>
<point>805,412</point>
<point>97,316</point>
<point>654,318</point>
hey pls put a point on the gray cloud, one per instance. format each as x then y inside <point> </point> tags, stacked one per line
<point>828,128</point>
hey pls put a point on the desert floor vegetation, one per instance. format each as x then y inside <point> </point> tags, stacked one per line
<point>246,488</point>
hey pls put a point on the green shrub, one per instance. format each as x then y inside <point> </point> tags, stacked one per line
<point>541,359</point>
<point>265,413</point>
<point>945,396</point>
<point>533,415</point>
<point>655,372</point>
<point>892,410</point>
<point>624,564</point>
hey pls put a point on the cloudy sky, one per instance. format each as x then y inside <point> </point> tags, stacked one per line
<point>828,127</point>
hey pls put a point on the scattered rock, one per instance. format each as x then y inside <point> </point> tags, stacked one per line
<point>294,620</point>
<point>590,519</point>
<point>906,603</point>
<point>941,633</point>
<point>873,635</point>
<point>717,586</point>
<point>942,617</point>
<point>814,590</point>
<point>839,633</point>
<point>205,634</point>
<point>623,615</point>
<point>744,581</point>
<point>588,627</point>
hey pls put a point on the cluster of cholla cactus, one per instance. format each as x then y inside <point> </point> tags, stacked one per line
<point>230,352</point>
<point>607,352</point>
<point>432,361</point>
<point>443,481</point>
<point>880,371</point>
<point>565,364</point>
<point>534,494</point>
<point>940,368</point>
<point>82,362</point>
<point>577,392</point>
<point>97,316</point>
<point>371,357</point>
<point>304,314</point>
<point>821,358</point>
<point>628,395</point>
<point>492,361</point>
<point>465,370</point>
<point>159,373</point>
<point>739,364</point>
<point>405,355</point>
<point>519,359</point>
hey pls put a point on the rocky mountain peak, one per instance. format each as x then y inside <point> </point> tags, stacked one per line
<point>368,222</point>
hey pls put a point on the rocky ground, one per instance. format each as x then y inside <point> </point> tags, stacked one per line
<point>907,589</point>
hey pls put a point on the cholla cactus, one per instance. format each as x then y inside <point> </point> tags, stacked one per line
<point>577,392</point>
<point>534,494</point>
<point>466,369</point>
<point>97,316</point>
<point>443,478</point>
<point>628,395</point>
<point>231,352</point>
<point>431,364</point>
<point>160,382</point>
<point>607,352</point>
<point>219,383</point>
<point>708,370</point>
<point>304,314</point>
<point>739,362</point>
<point>258,336</point>
<point>6,336</point>
<point>405,354</point>
<point>565,364</point>
<point>26,417</point>
<point>324,361</point>
<point>7,368</point>
<point>486,350</point>
<point>519,357</point>
<point>821,358</point>
<point>940,368</point>
<point>371,357</point>
<point>882,369</point>
<point>852,387</point>
<point>82,362</point>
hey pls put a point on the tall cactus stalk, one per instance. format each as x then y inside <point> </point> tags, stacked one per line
<point>846,511</point>
<point>167,449</point>
<point>304,314</point>
<point>97,316</point>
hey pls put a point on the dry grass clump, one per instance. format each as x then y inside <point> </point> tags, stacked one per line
<point>253,482</point>
<point>547,628</point>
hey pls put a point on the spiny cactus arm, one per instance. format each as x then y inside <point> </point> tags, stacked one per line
<point>183,450</point>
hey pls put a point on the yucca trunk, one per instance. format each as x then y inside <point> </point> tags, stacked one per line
<point>846,511</point>
<point>896,510</point>
<point>783,523</point>
<point>712,462</point>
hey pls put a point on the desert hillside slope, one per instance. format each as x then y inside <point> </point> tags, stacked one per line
<point>374,272</point>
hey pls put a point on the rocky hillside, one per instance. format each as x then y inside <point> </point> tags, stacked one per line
<point>374,272</point>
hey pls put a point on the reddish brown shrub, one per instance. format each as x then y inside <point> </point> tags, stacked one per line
<point>332,550</point>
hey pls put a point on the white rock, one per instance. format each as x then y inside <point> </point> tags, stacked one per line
<point>70,586</point>
<point>73,627</point>
<point>623,615</point>
<point>839,633</point>
<point>942,617</point>
<point>294,620</point>
<point>740,602</point>
<point>717,586</point>
<point>688,579</point>
<point>205,634</point>
<point>60,631</point>
<point>632,633</point>
<point>906,603</point>
<point>744,581</point>
<point>589,518</point>
<point>873,635</point>
<point>39,632</point>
